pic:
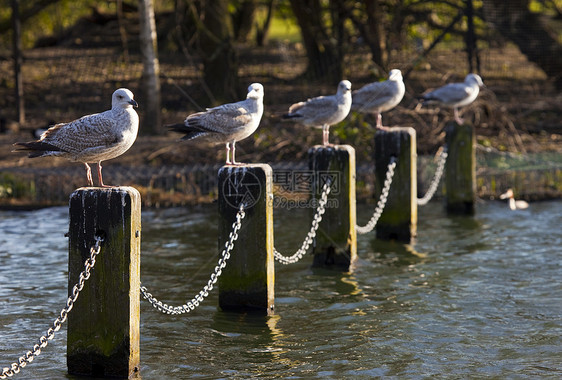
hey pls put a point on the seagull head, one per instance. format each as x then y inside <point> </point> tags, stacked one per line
<point>344,87</point>
<point>508,194</point>
<point>395,75</point>
<point>123,98</point>
<point>474,78</point>
<point>255,91</point>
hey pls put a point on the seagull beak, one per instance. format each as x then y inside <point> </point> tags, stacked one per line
<point>133,103</point>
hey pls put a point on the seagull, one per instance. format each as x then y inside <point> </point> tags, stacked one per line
<point>379,97</point>
<point>227,123</point>
<point>514,204</point>
<point>456,95</point>
<point>323,111</point>
<point>92,138</point>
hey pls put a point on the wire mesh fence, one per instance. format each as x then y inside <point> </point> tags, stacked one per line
<point>531,176</point>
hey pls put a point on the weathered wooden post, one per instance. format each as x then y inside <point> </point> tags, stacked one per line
<point>336,239</point>
<point>460,169</point>
<point>247,282</point>
<point>400,216</point>
<point>103,326</point>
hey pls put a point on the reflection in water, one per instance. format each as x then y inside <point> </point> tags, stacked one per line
<point>396,253</point>
<point>349,285</point>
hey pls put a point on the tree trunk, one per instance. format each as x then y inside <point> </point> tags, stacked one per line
<point>243,20</point>
<point>18,62</point>
<point>374,36</point>
<point>152,123</point>
<point>323,59</point>
<point>220,59</point>
<point>261,32</point>
<point>526,29</point>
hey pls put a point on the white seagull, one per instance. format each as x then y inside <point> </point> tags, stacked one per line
<point>227,123</point>
<point>323,111</point>
<point>92,138</point>
<point>379,97</point>
<point>514,204</point>
<point>456,95</point>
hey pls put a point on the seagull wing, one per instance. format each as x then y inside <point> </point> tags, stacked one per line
<point>90,131</point>
<point>374,94</point>
<point>449,94</point>
<point>222,119</point>
<point>315,106</point>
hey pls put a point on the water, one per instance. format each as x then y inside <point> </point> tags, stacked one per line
<point>474,297</point>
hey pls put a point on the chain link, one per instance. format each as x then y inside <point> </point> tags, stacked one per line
<point>311,234</point>
<point>203,293</point>
<point>436,178</point>
<point>44,340</point>
<point>382,200</point>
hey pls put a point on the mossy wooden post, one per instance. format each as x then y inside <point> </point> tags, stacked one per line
<point>400,216</point>
<point>336,239</point>
<point>103,326</point>
<point>460,169</point>
<point>247,281</point>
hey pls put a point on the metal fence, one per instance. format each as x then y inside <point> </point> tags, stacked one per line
<point>532,177</point>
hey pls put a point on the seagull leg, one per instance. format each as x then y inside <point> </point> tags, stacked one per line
<point>89,174</point>
<point>379,120</point>
<point>379,123</point>
<point>457,118</point>
<point>326,134</point>
<point>99,176</point>
<point>228,162</point>
<point>234,154</point>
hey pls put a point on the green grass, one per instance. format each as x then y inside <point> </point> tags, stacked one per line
<point>284,29</point>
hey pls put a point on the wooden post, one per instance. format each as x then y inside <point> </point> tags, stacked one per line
<point>336,239</point>
<point>400,216</point>
<point>247,282</point>
<point>103,326</point>
<point>460,169</point>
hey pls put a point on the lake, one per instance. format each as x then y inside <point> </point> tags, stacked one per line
<point>473,297</point>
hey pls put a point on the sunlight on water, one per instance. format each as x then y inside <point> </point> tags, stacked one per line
<point>472,297</point>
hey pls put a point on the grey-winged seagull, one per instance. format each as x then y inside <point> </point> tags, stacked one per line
<point>379,97</point>
<point>456,95</point>
<point>92,138</point>
<point>323,111</point>
<point>227,123</point>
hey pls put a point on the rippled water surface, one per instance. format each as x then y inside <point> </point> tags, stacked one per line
<point>473,297</point>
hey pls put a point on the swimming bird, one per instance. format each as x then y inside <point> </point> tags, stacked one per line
<point>227,123</point>
<point>456,95</point>
<point>323,111</point>
<point>514,204</point>
<point>37,132</point>
<point>379,97</point>
<point>92,138</point>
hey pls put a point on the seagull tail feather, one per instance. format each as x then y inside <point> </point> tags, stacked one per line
<point>189,132</point>
<point>290,116</point>
<point>179,127</point>
<point>36,148</point>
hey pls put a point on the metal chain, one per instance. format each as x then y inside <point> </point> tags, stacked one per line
<point>382,200</point>
<point>436,178</point>
<point>311,234</point>
<point>44,340</point>
<point>203,293</point>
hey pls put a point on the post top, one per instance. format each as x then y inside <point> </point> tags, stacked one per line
<point>131,191</point>
<point>408,130</point>
<point>344,147</point>
<point>243,167</point>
